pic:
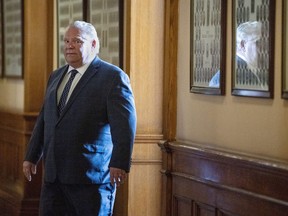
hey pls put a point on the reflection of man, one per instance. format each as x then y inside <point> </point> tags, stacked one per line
<point>246,55</point>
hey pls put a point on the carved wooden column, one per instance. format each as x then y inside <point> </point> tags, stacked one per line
<point>166,197</point>
<point>169,102</point>
<point>144,63</point>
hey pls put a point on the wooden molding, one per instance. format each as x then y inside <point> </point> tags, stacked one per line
<point>170,69</point>
<point>215,181</point>
<point>17,196</point>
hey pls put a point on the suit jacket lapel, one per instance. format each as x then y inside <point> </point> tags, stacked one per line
<point>55,82</point>
<point>89,73</point>
<point>59,79</point>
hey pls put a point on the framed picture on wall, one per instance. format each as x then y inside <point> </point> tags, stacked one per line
<point>208,46</point>
<point>1,42</point>
<point>253,48</point>
<point>12,38</point>
<point>67,12</point>
<point>107,17</point>
<point>285,51</point>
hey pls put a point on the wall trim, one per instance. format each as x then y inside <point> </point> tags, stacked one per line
<point>214,180</point>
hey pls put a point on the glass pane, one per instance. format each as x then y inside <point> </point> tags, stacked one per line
<point>68,11</point>
<point>252,44</point>
<point>104,15</point>
<point>207,43</point>
<point>12,37</point>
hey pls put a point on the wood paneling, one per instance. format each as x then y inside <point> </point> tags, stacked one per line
<point>38,51</point>
<point>145,177</point>
<point>141,194</point>
<point>169,96</point>
<point>144,62</point>
<point>170,69</point>
<point>206,181</point>
<point>17,196</point>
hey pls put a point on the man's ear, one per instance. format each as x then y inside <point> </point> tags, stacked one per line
<point>242,45</point>
<point>94,43</point>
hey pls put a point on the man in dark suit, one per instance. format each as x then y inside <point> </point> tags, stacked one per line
<point>84,132</point>
<point>248,34</point>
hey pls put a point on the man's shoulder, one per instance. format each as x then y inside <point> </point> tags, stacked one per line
<point>108,68</point>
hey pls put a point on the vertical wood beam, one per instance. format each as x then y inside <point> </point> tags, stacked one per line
<point>169,100</point>
<point>38,51</point>
<point>170,69</point>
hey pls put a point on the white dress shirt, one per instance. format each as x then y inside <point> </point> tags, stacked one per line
<point>78,76</point>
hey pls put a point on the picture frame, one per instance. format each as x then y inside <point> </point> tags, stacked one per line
<point>253,48</point>
<point>12,18</point>
<point>67,12</point>
<point>1,41</point>
<point>285,51</point>
<point>108,18</point>
<point>208,46</point>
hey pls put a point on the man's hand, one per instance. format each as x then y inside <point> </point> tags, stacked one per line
<point>117,176</point>
<point>29,168</point>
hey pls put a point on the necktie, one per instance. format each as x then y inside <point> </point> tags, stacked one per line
<point>63,98</point>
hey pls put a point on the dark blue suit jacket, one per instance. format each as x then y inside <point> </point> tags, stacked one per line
<point>95,131</point>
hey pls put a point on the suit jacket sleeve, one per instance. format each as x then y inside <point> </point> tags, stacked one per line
<point>36,143</point>
<point>35,147</point>
<point>122,118</point>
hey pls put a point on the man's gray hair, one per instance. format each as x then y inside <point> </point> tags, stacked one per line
<point>88,30</point>
<point>249,31</point>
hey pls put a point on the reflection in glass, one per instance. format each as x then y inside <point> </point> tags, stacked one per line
<point>68,11</point>
<point>252,45</point>
<point>104,15</point>
<point>249,62</point>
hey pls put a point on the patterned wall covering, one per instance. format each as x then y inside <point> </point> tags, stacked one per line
<point>12,37</point>
<point>103,14</point>
<point>256,10</point>
<point>68,11</point>
<point>207,31</point>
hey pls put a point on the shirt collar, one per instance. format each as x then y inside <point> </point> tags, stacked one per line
<point>81,69</point>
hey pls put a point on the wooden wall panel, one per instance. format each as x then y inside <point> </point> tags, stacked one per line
<point>144,62</point>
<point>38,51</point>
<point>206,181</point>
<point>170,69</point>
<point>17,197</point>
<point>141,193</point>
<point>144,184</point>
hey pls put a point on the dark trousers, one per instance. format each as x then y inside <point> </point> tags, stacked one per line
<point>59,199</point>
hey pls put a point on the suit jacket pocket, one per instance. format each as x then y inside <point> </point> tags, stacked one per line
<point>98,156</point>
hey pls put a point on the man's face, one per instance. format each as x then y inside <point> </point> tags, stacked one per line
<point>252,53</point>
<point>77,50</point>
